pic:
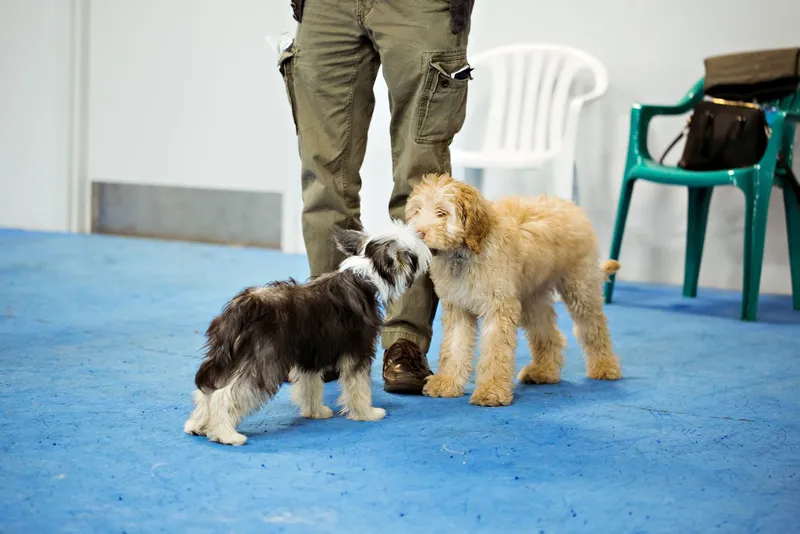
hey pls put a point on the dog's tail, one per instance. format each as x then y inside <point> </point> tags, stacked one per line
<point>238,340</point>
<point>610,267</point>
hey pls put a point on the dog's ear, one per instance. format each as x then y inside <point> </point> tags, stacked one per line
<point>349,241</point>
<point>474,215</point>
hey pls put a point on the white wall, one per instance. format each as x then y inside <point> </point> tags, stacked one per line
<point>186,92</point>
<point>34,113</point>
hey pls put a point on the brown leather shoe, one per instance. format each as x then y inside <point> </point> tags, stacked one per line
<point>404,368</point>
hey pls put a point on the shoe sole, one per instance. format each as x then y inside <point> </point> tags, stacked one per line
<point>402,387</point>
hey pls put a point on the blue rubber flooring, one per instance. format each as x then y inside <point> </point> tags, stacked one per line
<point>100,338</point>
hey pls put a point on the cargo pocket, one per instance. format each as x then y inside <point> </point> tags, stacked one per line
<point>286,67</point>
<point>443,106</point>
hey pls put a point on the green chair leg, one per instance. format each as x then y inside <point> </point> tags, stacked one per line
<point>619,229</point>
<point>699,202</point>
<point>792,208</point>
<point>755,230</point>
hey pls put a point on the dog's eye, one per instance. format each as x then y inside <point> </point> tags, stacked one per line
<point>441,213</point>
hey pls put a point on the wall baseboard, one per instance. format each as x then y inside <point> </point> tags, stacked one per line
<point>244,218</point>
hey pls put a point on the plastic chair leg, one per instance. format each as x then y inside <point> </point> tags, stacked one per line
<point>619,229</point>
<point>755,233</point>
<point>699,202</point>
<point>792,208</point>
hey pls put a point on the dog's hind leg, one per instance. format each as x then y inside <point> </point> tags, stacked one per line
<point>356,397</point>
<point>196,424</point>
<point>583,295</point>
<point>307,390</point>
<point>545,341</point>
<point>228,405</point>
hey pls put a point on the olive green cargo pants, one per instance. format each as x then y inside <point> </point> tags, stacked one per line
<point>329,72</point>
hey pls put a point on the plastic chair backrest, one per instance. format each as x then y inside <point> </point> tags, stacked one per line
<point>531,93</point>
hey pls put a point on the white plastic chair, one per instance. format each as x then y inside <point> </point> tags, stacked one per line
<point>532,117</point>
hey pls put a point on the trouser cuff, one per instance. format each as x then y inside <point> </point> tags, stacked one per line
<point>390,336</point>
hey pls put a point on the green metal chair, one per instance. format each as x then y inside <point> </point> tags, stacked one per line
<point>756,183</point>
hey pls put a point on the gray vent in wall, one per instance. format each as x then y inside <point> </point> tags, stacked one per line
<point>182,213</point>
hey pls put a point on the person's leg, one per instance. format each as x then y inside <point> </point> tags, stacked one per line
<point>330,72</point>
<point>428,109</point>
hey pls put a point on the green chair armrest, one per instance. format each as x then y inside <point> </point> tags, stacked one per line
<point>642,114</point>
<point>692,96</point>
<point>687,103</point>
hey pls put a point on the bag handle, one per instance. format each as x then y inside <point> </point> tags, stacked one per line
<point>672,145</point>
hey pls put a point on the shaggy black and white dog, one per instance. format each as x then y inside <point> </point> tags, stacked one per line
<point>265,333</point>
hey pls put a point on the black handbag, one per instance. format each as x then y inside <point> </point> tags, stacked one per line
<point>724,134</point>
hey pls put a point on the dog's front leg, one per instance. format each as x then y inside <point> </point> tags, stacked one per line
<point>495,381</point>
<point>456,355</point>
<point>356,397</point>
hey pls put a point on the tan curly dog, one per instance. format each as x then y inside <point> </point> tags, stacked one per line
<point>501,262</point>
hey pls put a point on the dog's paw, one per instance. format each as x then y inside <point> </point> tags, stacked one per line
<point>537,374</point>
<point>492,395</point>
<point>194,428</point>
<point>229,438</point>
<point>376,414</point>
<point>323,412</point>
<point>370,414</point>
<point>605,369</point>
<point>442,386</point>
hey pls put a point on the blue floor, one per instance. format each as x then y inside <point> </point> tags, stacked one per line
<point>100,337</point>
